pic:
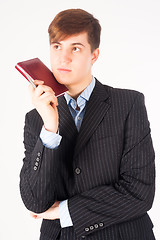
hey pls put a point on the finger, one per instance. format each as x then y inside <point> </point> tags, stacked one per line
<point>43,88</point>
<point>50,98</point>
<point>38,82</point>
<point>34,215</point>
<point>56,204</point>
<point>30,88</point>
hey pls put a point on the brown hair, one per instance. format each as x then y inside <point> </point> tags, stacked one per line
<point>74,21</point>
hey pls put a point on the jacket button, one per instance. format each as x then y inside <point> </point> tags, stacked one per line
<point>101,224</point>
<point>96,226</point>
<point>38,154</point>
<point>91,228</point>
<point>37,159</point>
<point>77,171</point>
<point>86,229</point>
<point>35,168</point>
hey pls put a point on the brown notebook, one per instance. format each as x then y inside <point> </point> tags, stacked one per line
<point>34,69</point>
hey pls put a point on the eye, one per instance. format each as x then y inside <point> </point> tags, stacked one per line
<point>76,49</point>
<point>57,47</point>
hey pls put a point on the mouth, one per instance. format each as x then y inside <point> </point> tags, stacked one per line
<point>64,70</point>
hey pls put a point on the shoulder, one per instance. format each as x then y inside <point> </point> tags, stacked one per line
<point>123,96</point>
<point>121,100</point>
<point>123,93</point>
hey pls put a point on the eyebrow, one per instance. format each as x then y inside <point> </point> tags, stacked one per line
<point>73,44</point>
<point>77,44</point>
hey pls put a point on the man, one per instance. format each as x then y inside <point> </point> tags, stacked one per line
<point>88,170</point>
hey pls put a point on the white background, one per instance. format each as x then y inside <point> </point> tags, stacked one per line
<point>129,58</point>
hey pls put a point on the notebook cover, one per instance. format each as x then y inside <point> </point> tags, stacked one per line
<point>37,70</point>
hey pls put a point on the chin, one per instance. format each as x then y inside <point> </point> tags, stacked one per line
<point>62,81</point>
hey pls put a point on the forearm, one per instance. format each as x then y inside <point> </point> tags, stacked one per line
<point>128,198</point>
<point>38,174</point>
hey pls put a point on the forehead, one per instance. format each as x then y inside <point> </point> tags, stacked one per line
<point>77,38</point>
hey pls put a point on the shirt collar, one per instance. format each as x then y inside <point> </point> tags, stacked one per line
<point>85,94</point>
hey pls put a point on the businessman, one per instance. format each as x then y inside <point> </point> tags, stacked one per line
<point>88,170</point>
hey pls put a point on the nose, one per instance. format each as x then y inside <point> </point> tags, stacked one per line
<point>66,56</point>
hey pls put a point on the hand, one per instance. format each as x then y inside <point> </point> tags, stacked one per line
<point>45,101</point>
<point>51,214</point>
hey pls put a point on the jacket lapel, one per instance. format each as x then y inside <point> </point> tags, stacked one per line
<point>67,126</point>
<point>96,108</point>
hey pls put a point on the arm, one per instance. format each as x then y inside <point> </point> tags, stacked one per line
<point>132,195</point>
<point>49,139</point>
<point>59,209</point>
<point>36,196</point>
<point>39,166</point>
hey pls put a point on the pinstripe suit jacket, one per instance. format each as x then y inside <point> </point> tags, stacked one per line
<point>106,170</point>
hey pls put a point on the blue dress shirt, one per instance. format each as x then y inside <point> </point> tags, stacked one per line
<point>52,140</point>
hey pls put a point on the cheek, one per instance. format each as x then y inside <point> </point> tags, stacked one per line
<point>53,62</point>
<point>53,56</point>
<point>83,63</point>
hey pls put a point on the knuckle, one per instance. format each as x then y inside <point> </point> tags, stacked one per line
<point>39,87</point>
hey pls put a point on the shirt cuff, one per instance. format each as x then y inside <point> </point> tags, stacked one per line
<point>65,218</point>
<point>49,139</point>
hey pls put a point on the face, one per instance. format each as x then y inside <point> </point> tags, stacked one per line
<point>72,60</point>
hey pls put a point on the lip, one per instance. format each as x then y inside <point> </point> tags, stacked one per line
<point>64,70</point>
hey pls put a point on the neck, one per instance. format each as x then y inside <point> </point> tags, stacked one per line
<point>75,90</point>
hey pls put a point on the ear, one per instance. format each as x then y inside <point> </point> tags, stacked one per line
<point>95,55</point>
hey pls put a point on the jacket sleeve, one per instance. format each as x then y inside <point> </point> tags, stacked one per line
<point>37,183</point>
<point>132,195</point>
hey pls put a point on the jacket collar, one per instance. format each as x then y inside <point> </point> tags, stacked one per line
<point>96,108</point>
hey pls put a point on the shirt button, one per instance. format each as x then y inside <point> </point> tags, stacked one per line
<point>77,171</point>
<point>37,159</point>
<point>79,118</point>
<point>36,164</point>
<point>35,168</point>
